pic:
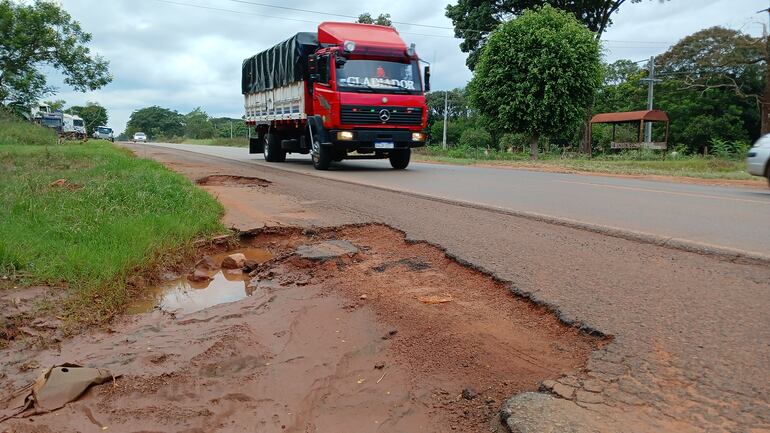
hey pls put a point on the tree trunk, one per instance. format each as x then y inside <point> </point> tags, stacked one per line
<point>533,142</point>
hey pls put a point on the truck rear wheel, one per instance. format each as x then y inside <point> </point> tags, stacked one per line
<point>273,151</point>
<point>399,159</point>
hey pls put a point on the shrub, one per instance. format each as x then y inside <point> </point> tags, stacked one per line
<point>16,131</point>
<point>514,142</point>
<point>475,137</point>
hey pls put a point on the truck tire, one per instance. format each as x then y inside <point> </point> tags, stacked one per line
<point>399,159</point>
<point>321,156</point>
<point>273,151</point>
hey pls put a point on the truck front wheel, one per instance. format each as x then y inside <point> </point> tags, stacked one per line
<point>321,156</point>
<point>399,159</point>
<point>273,151</point>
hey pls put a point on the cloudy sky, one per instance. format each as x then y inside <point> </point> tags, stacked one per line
<point>182,54</point>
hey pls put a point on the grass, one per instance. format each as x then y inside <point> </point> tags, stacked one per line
<point>228,142</point>
<point>14,132</point>
<point>115,215</point>
<point>633,164</point>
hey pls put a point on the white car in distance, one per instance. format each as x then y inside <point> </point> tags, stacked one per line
<point>758,159</point>
<point>139,137</point>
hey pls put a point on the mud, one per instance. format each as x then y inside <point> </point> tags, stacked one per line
<point>229,180</point>
<point>180,295</point>
<point>342,345</point>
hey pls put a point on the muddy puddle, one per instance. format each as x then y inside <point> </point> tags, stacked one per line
<point>181,295</point>
<point>347,330</point>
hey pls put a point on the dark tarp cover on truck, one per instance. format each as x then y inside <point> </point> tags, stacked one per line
<point>280,65</point>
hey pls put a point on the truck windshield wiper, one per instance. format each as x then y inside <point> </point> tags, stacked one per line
<point>362,86</point>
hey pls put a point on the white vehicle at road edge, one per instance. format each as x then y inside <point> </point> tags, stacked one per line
<point>758,159</point>
<point>139,136</point>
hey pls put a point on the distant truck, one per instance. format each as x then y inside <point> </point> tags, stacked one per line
<point>349,91</point>
<point>65,125</point>
<point>103,133</point>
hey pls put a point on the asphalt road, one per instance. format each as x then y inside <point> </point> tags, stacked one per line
<point>689,334</point>
<point>733,218</point>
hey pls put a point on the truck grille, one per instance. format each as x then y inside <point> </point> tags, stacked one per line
<point>364,115</point>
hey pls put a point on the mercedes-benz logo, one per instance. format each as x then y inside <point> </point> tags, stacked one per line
<point>384,115</point>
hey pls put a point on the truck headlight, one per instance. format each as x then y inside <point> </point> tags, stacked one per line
<point>345,135</point>
<point>418,136</point>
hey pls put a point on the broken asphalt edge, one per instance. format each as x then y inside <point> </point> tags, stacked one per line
<point>718,252</point>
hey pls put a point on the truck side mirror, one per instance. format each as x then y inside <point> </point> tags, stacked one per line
<point>427,79</point>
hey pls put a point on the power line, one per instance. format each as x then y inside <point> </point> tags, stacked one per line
<point>610,41</point>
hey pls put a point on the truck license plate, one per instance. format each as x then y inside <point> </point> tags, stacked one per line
<point>383,145</point>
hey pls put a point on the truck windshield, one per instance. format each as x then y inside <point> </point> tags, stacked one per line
<point>378,76</point>
<point>51,122</point>
<point>103,130</point>
<point>77,122</point>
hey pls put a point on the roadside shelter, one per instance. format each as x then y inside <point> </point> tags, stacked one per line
<point>639,117</point>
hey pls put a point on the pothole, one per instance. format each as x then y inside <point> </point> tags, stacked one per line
<point>203,287</point>
<point>230,180</point>
<point>448,327</point>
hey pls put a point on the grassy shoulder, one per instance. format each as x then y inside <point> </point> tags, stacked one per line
<point>112,216</point>
<point>698,167</point>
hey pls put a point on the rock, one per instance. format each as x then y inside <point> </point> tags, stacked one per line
<point>588,397</point>
<point>326,250</point>
<point>363,297</point>
<point>250,266</point>
<point>392,333</point>
<point>58,182</point>
<point>379,365</point>
<point>234,261</point>
<point>199,276</point>
<point>469,393</point>
<point>558,389</point>
<point>207,264</point>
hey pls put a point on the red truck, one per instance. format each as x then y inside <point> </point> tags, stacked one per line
<point>350,91</point>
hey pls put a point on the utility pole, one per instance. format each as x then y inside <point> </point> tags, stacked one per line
<point>446,114</point>
<point>231,129</point>
<point>651,80</point>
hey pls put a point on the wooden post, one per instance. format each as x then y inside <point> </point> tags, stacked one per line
<point>667,124</point>
<point>613,131</point>
<point>641,128</point>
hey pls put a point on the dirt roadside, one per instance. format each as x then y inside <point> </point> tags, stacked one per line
<point>649,378</point>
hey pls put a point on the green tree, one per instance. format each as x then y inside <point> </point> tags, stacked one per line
<point>382,19</point>
<point>41,34</point>
<point>156,122</point>
<point>57,104</point>
<point>543,83</point>
<point>92,113</point>
<point>198,125</point>
<point>474,20</point>
<point>720,58</point>
<point>458,106</point>
<point>225,126</point>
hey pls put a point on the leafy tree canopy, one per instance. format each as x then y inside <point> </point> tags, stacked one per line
<point>57,104</point>
<point>474,20</point>
<point>382,19</point>
<point>92,113</point>
<point>537,75</point>
<point>457,107</point>
<point>717,58</point>
<point>156,122</point>
<point>43,34</point>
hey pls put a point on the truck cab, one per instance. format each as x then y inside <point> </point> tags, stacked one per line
<point>356,92</point>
